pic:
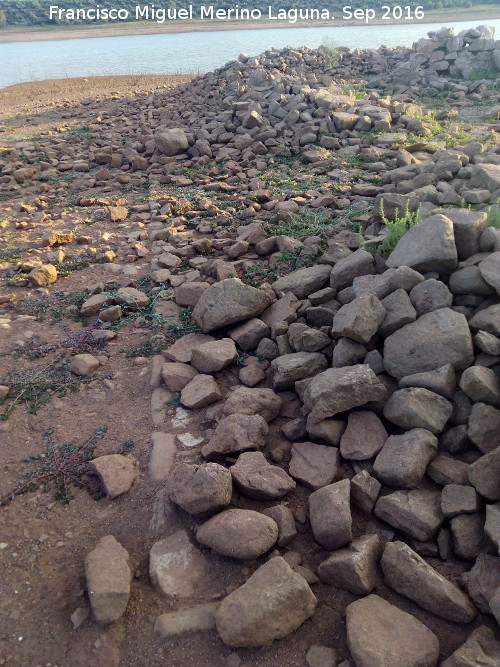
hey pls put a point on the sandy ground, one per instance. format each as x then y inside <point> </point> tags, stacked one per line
<point>36,34</point>
<point>22,99</point>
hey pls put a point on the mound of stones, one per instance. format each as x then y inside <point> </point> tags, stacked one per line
<point>372,387</point>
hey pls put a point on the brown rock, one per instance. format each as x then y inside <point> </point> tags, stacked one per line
<point>330,515</point>
<point>116,472</point>
<point>314,465</point>
<point>236,433</point>
<point>241,534</point>
<point>107,569</point>
<point>200,489</point>
<point>353,568</point>
<point>256,478</point>
<point>274,602</point>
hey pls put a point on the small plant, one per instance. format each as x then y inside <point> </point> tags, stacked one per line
<point>308,223</point>
<point>493,219</point>
<point>62,466</point>
<point>331,51</point>
<point>36,386</point>
<point>397,229</point>
<point>239,360</point>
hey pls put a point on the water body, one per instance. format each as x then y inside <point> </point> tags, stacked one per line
<point>188,52</point>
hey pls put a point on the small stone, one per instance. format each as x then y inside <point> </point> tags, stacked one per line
<point>273,602</point>
<point>484,475</point>
<point>483,580</point>
<point>459,499</point>
<point>359,319</point>
<point>162,457</point>
<point>364,491</point>
<point>131,297</point>
<point>353,568</point>
<point>214,356</point>
<point>403,459</point>
<point>256,478</point>
<point>200,489</point>
<point>469,538</point>
<point>241,534</point>
<point>364,436</point>
<point>236,433</point>
<point>194,619</point>
<point>285,522</point>
<point>484,427</point>
<point>314,465</point>
<point>79,616</point>
<point>116,472</point>
<point>289,368</point>
<point>417,512</point>
<point>176,376</point>
<point>321,656</point>
<point>201,391</point>
<point>330,515</point>
<point>481,648</point>
<point>176,567</point>
<point>182,350</point>
<point>409,575</point>
<point>381,635</point>
<point>263,402</point>
<point>417,408</point>
<point>481,385</point>
<point>43,275</point>
<point>84,364</point>
<point>107,569</point>
<point>341,389</point>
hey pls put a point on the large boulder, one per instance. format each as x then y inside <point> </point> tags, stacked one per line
<point>341,389</point>
<point>381,635</point>
<point>435,339</point>
<point>227,302</point>
<point>272,603</point>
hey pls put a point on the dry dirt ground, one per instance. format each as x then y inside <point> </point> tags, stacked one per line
<point>42,541</point>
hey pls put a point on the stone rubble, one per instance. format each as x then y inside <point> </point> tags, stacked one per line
<point>350,401</point>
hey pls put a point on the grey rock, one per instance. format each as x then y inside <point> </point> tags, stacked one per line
<point>108,574</point>
<point>241,534</point>
<point>359,263</point>
<point>483,580</point>
<point>381,635</point>
<point>194,619</point>
<point>214,356</point>
<point>314,465</point>
<point>364,491</point>
<point>353,568</point>
<point>330,515</point>
<point>256,478</point>
<point>289,368</point>
<point>245,401</point>
<point>459,499</point>
<point>236,433</point>
<point>399,311</point>
<point>484,475</point>
<point>200,489</point>
<point>490,270</point>
<point>428,246</point>
<point>430,295</point>
<point>409,575</point>
<point>359,319</point>
<point>468,227</point>
<point>303,282</point>
<point>340,389</point>
<point>176,567</point>
<point>482,385</point>
<point>171,141</point>
<point>434,340</point>
<point>418,408</point>
<point>228,302</point>
<point>286,523</point>
<point>492,524</point>
<point>364,436</point>
<point>481,648</point>
<point>403,459</point>
<point>487,320</point>
<point>469,538</point>
<point>441,381</point>
<point>417,512</point>
<point>272,603</point>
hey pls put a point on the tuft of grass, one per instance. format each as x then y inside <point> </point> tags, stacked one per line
<point>493,219</point>
<point>36,386</point>
<point>331,51</point>
<point>307,223</point>
<point>397,229</point>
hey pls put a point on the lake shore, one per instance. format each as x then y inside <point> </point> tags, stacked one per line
<point>57,33</point>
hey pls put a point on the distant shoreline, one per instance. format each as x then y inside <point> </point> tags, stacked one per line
<point>57,33</point>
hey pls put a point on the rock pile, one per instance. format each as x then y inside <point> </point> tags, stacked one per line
<point>352,402</point>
